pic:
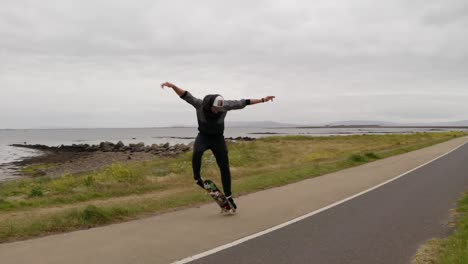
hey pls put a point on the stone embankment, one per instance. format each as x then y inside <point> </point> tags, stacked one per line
<point>161,149</point>
<point>158,149</point>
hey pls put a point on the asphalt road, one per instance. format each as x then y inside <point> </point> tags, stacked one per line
<point>386,225</point>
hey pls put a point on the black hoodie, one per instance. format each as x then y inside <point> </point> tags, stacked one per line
<point>209,123</point>
<point>214,124</point>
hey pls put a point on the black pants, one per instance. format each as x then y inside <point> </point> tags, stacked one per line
<point>220,151</point>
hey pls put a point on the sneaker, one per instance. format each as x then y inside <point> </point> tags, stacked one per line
<point>231,202</point>
<point>200,182</point>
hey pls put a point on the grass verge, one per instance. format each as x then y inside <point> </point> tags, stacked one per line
<point>452,250</point>
<point>40,206</point>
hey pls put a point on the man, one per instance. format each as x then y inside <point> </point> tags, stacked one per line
<point>211,112</point>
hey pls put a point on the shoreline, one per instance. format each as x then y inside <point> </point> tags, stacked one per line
<point>73,159</point>
<point>80,158</point>
<point>266,127</point>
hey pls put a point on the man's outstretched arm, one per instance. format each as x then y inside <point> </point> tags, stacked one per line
<point>185,95</point>
<point>263,100</point>
<point>176,89</point>
<point>239,104</point>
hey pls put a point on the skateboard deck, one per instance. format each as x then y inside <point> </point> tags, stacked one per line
<point>218,196</point>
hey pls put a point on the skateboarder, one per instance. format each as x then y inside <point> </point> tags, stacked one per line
<point>211,112</point>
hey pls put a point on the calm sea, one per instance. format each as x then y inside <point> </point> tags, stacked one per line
<point>56,137</point>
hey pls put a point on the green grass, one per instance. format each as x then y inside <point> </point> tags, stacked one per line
<point>92,216</point>
<point>69,220</point>
<point>257,165</point>
<point>451,250</point>
<point>36,170</point>
<point>455,248</point>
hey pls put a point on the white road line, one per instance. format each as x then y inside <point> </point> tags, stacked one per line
<point>269,230</point>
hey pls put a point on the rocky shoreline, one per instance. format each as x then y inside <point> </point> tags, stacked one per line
<point>159,149</point>
<point>77,158</point>
<point>106,146</point>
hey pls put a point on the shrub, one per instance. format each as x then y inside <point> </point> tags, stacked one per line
<point>36,192</point>
<point>88,181</point>
<point>93,215</point>
<point>371,155</point>
<point>357,158</point>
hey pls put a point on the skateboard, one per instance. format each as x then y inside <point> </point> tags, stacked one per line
<point>218,196</point>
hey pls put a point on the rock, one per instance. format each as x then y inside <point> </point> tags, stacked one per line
<point>94,148</point>
<point>106,146</point>
<point>158,149</point>
<point>155,147</point>
<point>119,145</point>
<point>240,139</point>
<point>185,148</point>
<point>90,148</point>
<point>139,147</point>
<point>81,148</point>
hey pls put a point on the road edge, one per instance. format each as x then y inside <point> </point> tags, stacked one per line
<point>297,219</point>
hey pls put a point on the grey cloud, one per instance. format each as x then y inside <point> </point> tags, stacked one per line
<point>168,27</point>
<point>447,12</point>
<point>351,60</point>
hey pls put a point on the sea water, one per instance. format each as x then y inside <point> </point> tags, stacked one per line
<point>185,135</point>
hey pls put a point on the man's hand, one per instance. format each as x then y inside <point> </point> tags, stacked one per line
<point>168,84</point>
<point>263,100</point>
<point>176,89</point>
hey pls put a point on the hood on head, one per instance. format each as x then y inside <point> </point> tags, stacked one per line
<point>208,103</point>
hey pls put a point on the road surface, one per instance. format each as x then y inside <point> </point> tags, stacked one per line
<point>385,225</point>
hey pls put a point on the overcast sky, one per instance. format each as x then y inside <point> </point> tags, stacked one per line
<point>100,63</point>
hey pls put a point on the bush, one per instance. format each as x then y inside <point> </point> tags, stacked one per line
<point>371,155</point>
<point>88,181</point>
<point>93,215</point>
<point>357,158</point>
<point>36,192</point>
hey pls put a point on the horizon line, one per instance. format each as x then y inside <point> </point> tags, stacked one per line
<point>292,125</point>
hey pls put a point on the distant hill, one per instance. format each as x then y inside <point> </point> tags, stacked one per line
<point>362,123</point>
<point>350,123</point>
<point>382,123</point>
<point>447,124</point>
